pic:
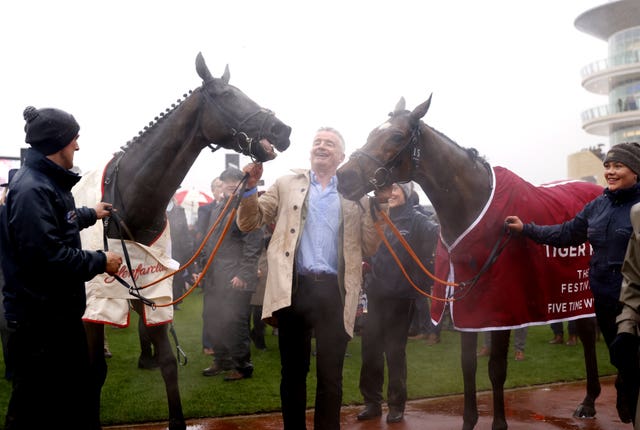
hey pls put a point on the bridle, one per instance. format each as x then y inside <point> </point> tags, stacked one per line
<point>244,144</point>
<point>383,173</point>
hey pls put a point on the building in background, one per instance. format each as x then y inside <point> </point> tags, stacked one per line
<point>587,165</point>
<point>617,77</point>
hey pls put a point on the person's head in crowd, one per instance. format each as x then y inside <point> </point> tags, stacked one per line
<point>216,189</point>
<point>400,194</point>
<point>5,186</point>
<point>230,179</point>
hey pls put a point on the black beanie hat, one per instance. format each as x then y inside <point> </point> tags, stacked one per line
<point>627,154</point>
<point>48,129</point>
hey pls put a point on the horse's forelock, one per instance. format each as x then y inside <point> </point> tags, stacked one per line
<point>385,125</point>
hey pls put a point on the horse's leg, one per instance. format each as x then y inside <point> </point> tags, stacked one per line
<point>169,369</point>
<point>586,328</point>
<point>469,360</point>
<point>98,365</point>
<point>498,374</point>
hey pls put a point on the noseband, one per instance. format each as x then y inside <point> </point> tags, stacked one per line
<point>382,174</point>
<point>242,141</point>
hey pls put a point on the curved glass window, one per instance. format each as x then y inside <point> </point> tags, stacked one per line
<point>625,97</point>
<point>629,134</point>
<point>623,43</point>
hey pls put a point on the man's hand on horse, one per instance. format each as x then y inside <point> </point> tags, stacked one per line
<point>383,194</point>
<point>514,224</point>
<point>103,209</point>
<point>114,261</point>
<point>255,173</point>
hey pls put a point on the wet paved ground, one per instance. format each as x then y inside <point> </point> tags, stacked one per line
<point>548,407</point>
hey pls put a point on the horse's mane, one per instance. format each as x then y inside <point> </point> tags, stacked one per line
<point>152,125</point>
<point>471,152</point>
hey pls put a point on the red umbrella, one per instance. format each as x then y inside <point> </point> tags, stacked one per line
<point>192,198</point>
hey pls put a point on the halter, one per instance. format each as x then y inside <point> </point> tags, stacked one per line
<point>382,174</point>
<point>243,142</point>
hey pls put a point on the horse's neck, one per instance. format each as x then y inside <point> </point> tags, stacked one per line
<point>457,183</point>
<point>153,167</point>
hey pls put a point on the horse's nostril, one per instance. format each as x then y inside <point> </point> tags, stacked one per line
<point>281,130</point>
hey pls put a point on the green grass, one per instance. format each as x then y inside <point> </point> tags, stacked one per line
<point>131,395</point>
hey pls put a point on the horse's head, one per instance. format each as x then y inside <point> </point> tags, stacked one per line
<point>387,156</point>
<point>246,127</point>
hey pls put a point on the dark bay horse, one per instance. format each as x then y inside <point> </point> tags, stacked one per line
<point>460,184</point>
<point>141,179</point>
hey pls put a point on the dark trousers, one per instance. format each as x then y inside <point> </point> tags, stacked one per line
<point>229,314</point>
<point>627,380</point>
<point>51,377</point>
<point>558,329</point>
<point>316,308</point>
<point>385,335</point>
<point>259,326</point>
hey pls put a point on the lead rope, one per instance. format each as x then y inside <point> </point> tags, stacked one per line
<point>493,256</point>
<point>134,290</point>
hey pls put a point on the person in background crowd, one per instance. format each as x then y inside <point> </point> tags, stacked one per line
<point>5,331</point>
<point>315,261</point>
<point>605,223</point>
<point>519,342</point>
<point>229,285</point>
<point>421,325</point>
<point>391,301</point>
<point>204,211</point>
<point>558,333</point>
<point>624,348</point>
<point>182,246</point>
<point>203,224</point>
<point>259,326</point>
<point>45,270</point>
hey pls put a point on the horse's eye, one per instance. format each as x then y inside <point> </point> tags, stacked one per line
<point>397,138</point>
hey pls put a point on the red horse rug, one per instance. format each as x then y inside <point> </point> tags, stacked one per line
<point>528,284</point>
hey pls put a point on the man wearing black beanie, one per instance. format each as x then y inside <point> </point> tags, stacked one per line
<point>45,270</point>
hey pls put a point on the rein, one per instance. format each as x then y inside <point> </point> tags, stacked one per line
<point>134,289</point>
<point>465,286</point>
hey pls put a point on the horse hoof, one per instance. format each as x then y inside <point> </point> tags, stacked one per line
<point>584,411</point>
<point>175,424</point>
<point>468,426</point>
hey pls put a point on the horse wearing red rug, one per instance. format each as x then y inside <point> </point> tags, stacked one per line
<point>528,283</point>
<point>492,281</point>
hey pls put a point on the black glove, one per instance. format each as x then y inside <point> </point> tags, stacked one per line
<point>623,352</point>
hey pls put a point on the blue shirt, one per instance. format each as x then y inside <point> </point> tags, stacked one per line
<point>318,250</point>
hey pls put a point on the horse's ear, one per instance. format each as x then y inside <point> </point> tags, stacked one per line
<point>421,109</point>
<point>202,69</point>
<point>400,106</point>
<point>226,75</point>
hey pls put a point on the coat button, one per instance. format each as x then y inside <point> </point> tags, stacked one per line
<point>286,254</point>
<point>295,207</point>
<point>293,230</point>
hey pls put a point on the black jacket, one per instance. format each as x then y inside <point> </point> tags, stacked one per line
<point>386,278</point>
<point>44,266</point>
<point>237,256</point>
